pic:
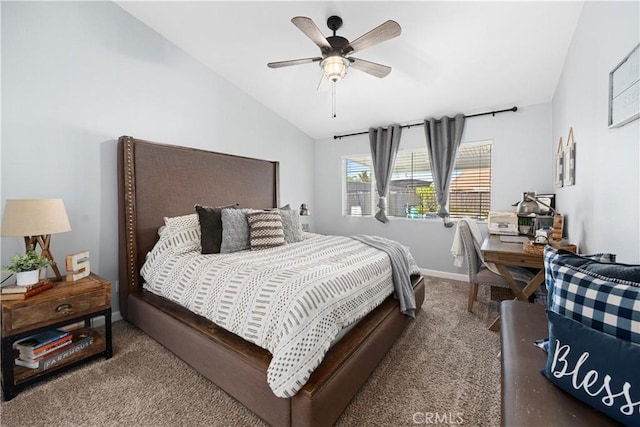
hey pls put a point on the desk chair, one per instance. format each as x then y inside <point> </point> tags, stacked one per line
<point>479,274</point>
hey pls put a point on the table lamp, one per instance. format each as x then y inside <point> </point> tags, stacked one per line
<point>36,220</point>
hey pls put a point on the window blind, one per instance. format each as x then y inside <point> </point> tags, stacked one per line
<point>359,185</point>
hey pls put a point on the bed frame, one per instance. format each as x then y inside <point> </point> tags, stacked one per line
<point>158,180</point>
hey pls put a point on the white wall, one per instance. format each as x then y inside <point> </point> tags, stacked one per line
<point>76,76</point>
<point>602,208</point>
<point>520,162</point>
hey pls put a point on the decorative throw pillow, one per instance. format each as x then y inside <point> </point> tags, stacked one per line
<point>291,224</point>
<point>594,367</point>
<point>184,232</point>
<point>211,227</point>
<point>552,255</point>
<point>265,229</point>
<point>606,303</point>
<point>235,230</point>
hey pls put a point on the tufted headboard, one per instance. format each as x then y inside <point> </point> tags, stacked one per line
<point>160,180</point>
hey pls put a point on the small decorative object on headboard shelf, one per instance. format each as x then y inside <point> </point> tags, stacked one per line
<point>78,265</point>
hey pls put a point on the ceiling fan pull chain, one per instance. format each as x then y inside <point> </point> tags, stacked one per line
<point>333,99</point>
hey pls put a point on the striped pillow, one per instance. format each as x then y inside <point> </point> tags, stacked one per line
<point>184,232</point>
<point>265,229</point>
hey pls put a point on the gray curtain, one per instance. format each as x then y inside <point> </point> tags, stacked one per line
<point>384,147</point>
<point>443,139</point>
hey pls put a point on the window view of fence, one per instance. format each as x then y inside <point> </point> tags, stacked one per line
<point>411,192</point>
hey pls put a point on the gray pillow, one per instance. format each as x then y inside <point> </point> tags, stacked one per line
<point>235,230</point>
<point>211,227</point>
<point>291,225</point>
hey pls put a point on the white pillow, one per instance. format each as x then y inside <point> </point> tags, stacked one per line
<point>154,259</point>
<point>184,233</point>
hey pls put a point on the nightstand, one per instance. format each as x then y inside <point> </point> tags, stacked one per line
<point>65,304</point>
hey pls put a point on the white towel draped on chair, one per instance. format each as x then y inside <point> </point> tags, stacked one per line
<point>457,248</point>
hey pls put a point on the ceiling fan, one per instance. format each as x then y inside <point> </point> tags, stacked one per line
<point>336,50</point>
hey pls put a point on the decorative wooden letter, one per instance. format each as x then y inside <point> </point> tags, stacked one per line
<point>78,264</point>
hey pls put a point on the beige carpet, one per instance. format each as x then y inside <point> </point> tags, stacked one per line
<point>446,364</point>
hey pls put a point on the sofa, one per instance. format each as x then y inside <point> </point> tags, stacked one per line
<point>531,393</point>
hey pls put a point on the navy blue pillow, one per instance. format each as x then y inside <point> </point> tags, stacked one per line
<point>596,368</point>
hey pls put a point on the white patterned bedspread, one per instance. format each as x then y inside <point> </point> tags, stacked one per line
<point>292,300</point>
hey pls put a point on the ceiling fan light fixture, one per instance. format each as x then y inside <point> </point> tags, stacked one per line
<point>335,67</point>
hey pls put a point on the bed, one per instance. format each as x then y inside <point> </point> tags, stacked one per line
<point>158,180</point>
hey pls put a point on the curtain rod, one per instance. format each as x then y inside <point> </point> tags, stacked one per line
<point>493,113</point>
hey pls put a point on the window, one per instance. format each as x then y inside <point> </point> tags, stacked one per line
<point>359,186</point>
<point>411,192</point>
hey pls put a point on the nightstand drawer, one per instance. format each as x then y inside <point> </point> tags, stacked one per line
<point>57,310</point>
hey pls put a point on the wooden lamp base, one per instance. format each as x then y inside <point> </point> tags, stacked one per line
<point>43,241</point>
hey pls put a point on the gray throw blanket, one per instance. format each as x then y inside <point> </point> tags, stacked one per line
<point>402,266</point>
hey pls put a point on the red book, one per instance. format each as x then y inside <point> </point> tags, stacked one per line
<point>25,295</point>
<point>46,347</point>
<point>44,354</point>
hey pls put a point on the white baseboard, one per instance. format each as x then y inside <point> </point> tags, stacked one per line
<point>99,321</point>
<point>444,275</point>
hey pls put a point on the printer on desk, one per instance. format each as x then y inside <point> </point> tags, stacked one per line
<point>503,223</point>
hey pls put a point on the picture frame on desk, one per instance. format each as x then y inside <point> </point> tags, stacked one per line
<point>548,199</point>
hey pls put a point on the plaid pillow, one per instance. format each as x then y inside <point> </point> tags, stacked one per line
<point>265,229</point>
<point>579,261</point>
<point>606,304</point>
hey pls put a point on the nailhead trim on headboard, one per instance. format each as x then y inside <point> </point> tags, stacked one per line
<point>130,220</point>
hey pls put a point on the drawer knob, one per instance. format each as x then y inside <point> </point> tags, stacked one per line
<point>65,309</point>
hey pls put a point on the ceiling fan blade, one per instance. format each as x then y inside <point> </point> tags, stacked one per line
<point>291,62</point>
<point>373,68</point>
<point>307,26</point>
<point>324,84</point>
<point>381,33</point>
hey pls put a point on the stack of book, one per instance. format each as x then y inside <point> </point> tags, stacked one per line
<point>44,350</point>
<point>15,292</point>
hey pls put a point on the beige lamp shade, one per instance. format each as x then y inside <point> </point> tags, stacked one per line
<point>34,217</point>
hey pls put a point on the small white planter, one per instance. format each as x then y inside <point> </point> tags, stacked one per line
<point>26,278</point>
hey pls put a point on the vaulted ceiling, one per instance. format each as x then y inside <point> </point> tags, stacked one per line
<point>451,57</point>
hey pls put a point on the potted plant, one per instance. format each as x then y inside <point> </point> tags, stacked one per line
<point>27,267</point>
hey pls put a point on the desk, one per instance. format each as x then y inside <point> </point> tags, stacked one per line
<point>504,254</point>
